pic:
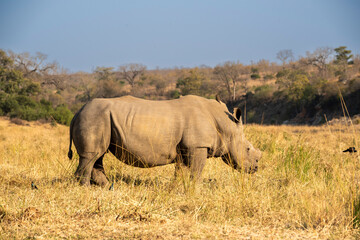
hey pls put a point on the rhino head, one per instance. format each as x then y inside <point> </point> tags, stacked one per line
<point>240,153</point>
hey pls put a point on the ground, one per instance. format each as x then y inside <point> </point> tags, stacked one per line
<point>306,188</point>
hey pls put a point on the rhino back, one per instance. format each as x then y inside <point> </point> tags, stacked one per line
<point>147,129</point>
<point>153,129</point>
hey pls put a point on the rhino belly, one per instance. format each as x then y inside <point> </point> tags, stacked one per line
<point>144,156</point>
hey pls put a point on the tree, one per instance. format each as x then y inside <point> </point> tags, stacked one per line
<point>31,65</point>
<point>343,55</point>
<point>12,81</point>
<point>56,80</point>
<point>88,88</point>
<point>342,60</point>
<point>106,86</point>
<point>18,96</point>
<point>36,68</point>
<point>131,72</point>
<point>229,74</point>
<point>295,83</point>
<point>263,65</point>
<point>285,55</point>
<point>190,82</point>
<point>244,78</point>
<point>320,59</point>
<point>254,73</point>
<point>104,73</point>
<point>158,81</point>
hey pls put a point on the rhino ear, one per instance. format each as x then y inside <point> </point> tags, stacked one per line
<point>237,114</point>
<point>218,98</point>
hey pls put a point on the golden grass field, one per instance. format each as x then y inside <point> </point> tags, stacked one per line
<point>306,188</point>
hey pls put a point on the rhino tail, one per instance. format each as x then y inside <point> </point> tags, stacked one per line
<point>70,152</point>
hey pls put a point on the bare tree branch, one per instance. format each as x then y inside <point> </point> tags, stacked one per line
<point>130,72</point>
<point>319,58</point>
<point>285,55</point>
<point>228,73</point>
<point>30,65</point>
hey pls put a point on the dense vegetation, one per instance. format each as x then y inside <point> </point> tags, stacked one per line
<point>307,90</point>
<point>20,97</point>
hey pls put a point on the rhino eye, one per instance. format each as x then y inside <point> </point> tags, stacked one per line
<point>248,149</point>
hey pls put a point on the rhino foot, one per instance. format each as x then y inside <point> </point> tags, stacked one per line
<point>98,177</point>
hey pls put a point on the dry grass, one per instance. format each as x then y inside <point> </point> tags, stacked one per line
<point>306,188</point>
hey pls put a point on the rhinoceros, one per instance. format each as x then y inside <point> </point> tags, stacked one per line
<point>145,133</point>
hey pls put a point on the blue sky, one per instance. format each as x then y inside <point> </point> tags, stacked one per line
<point>83,34</point>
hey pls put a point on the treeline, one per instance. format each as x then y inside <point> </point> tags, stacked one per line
<point>21,97</point>
<point>300,90</point>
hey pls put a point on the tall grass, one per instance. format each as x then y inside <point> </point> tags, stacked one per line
<point>306,187</point>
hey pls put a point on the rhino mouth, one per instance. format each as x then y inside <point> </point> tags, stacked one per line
<point>250,170</point>
<point>253,169</point>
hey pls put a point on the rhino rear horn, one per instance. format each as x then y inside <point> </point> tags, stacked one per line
<point>237,114</point>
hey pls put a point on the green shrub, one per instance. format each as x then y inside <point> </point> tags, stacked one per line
<point>191,82</point>
<point>8,104</point>
<point>282,73</point>
<point>18,96</point>
<point>268,77</point>
<point>263,92</point>
<point>29,113</point>
<point>174,94</point>
<point>250,116</point>
<point>255,76</point>
<point>62,115</point>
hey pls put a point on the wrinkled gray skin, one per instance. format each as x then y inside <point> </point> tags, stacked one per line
<point>144,133</point>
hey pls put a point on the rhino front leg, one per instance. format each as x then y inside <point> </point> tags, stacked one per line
<point>193,160</point>
<point>197,160</point>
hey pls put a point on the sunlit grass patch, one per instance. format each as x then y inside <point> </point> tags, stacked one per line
<point>305,187</point>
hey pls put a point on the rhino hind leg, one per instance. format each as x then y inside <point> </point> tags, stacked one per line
<point>91,170</point>
<point>84,169</point>
<point>98,173</point>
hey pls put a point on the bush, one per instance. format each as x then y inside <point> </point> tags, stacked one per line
<point>8,104</point>
<point>18,96</point>
<point>26,108</point>
<point>308,95</point>
<point>354,85</point>
<point>263,92</point>
<point>282,73</point>
<point>29,113</point>
<point>268,77</point>
<point>174,94</point>
<point>191,82</point>
<point>62,115</point>
<point>255,76</point>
